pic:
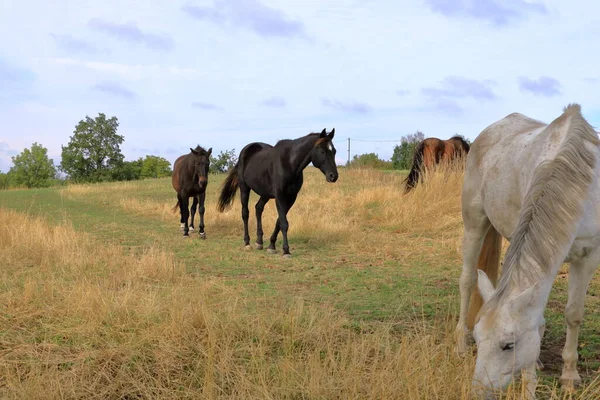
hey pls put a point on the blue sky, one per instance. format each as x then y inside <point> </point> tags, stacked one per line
<point>223,73</point>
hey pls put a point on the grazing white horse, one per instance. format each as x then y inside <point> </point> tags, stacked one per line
<point>535,185</point>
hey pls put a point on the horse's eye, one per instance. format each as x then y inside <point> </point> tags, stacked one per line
<point>508,346</point>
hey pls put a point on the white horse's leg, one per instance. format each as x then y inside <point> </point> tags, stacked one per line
<point>475,232</point>
<point>541,330</point>
<point>529,375</point>
<point>580,275</point>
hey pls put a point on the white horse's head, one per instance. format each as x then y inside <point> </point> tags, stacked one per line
<point>508,337</point>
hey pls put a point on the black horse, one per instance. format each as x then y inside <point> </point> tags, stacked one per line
<point>276,172</point>
<point>189,179</point>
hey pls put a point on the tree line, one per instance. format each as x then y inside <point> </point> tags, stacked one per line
<point>402,157</point>
<point>93,154</point>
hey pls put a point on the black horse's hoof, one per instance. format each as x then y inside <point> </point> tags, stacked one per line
<point>192,229</point>
<point>186,236</point>
<point>271,251</point>
<point>288,255</point>
<point>258,246</point>
<point>202,235</point>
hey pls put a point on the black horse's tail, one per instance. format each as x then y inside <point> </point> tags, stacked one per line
<point>228,189</point>
<point>413,176</point>
<point>174,209</point>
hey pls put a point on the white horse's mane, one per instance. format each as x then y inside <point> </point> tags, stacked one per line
<point>552,206</point>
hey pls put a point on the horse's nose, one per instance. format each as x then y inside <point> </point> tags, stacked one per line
<point>332,177</point>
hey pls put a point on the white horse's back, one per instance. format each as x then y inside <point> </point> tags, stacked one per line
<point>502,162</point>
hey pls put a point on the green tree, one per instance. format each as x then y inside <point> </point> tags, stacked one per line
<point>94,150</point>
<point>402,157</point>
<point>225,160</point>
<point>155,167</point>
<point>33,168</point>
<point>127,171</point>
<point>371,160</point>
<point>4,181</point>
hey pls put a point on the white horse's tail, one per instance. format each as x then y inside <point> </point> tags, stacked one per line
<point>488,262</point>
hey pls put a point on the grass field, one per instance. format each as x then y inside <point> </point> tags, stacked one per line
<point>102,297</point>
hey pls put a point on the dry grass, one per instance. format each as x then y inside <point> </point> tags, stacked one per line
<point>162,210</point>
<point>361,208</point>
<point>81,320</point>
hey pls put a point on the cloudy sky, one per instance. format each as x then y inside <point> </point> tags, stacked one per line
<point>222,73</point>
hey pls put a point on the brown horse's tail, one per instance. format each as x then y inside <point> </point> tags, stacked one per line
<point>174,209</point>
<point>228,189</point>
<point>488,262</point>
<point>413,175</point>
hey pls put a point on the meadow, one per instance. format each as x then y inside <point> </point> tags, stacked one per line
<point>102,297</point>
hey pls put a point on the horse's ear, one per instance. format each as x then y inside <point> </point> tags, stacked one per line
<point>209,151</point>
<point>193,151</point>
<point>323,133</point>
<point>485,286</point>
<point>525,299</point>
<point>331,133</point>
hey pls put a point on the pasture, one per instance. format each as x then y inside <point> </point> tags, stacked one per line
<point>102,297</point>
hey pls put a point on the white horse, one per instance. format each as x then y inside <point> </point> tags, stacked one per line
<point>535,185</point>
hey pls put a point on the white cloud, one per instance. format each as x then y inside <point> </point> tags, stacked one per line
<point>127,71</point>
<point>380,55</point>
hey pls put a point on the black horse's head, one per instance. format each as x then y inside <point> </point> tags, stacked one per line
<point>323,155</point>
<point>201,164</point>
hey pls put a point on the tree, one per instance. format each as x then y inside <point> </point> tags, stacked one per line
<point>94,150</point>
<point>369,160</point>
<point>127,171</point>
<point>33,168</point>
<point>155,167</point>
<point>224,161</point>
<point>4,181</point>
<point>403,153</point>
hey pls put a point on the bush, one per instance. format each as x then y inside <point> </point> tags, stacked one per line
<point>369,160</point>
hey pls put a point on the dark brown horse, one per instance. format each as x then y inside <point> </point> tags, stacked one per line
<point>189,179</point>
<point>433,151</point>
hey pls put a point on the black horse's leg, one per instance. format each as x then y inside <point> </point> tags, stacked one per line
<point>193,211</point>
<point>284,203</point>
<point>201,209</point>
<point>185,213</point>
<point>271,249</point>
<point>260,206</point>
<point>245,197</point>
<point>181,220</point>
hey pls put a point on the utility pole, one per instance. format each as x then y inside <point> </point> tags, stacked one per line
<point>348,150</point>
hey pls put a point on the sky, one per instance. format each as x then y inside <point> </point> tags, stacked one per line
<point>224,73</point>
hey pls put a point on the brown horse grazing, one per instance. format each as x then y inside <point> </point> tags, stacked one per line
<point>189,179</point>
<point>432,151</point>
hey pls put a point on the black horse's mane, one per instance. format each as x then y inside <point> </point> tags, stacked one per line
<point>283,141</point>
<point>462,140</point>
<point>200,149</point>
